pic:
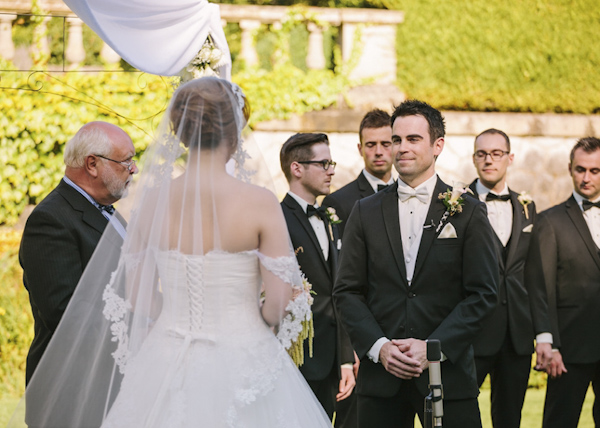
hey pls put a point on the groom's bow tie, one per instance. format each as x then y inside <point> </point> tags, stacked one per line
<point>108,208</point>
<point>588,204</point>
<point>381,187</point>
<point>493,197</point>
<point>405,193</point>
<point>311,210</point>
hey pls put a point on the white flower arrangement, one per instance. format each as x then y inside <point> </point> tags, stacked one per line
<point>525,199</point>
<point>205,63</point>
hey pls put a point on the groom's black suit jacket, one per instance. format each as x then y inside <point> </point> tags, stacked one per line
<point>453,288</point>
<point>59,239</point>
<point>522,310</point>
<point>331,343</point>
<point>570,268</point>
<point>343,200</point>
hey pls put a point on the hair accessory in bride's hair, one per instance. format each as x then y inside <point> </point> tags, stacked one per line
<point>239,95</point>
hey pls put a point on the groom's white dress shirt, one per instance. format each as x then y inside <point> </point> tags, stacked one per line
<point>317,224</point>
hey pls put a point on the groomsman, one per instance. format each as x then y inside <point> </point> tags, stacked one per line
<point>504,346</point>
<point>62,232</point>
<point>308,168</point>
<point>375,147</point>
<point>568,238</point>
<point>414,267</point>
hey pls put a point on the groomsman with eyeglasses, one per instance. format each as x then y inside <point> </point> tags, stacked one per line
<point>306,163</point>
<point>504,346</point>
<point>567,237</point>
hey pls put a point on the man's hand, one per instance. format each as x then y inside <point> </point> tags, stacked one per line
<point>347,383</point>
<point>397,357</point>
<point>355,366</point>
<point>557,367</point>
<point>543,353</point>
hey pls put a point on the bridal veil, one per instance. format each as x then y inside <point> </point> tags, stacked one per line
<point>184,203</point>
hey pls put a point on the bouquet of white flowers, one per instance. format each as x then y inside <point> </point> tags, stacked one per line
<point>206,63</point>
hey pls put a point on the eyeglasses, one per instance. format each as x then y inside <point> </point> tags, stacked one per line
<point>496,155</point>
<point>129,165</point>
<point>325,163</point>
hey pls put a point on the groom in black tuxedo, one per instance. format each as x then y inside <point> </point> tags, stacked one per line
<point>308,168</point>
<point>568,239</point>
<point>504,346</point>
<point>375,147</point>
<point>62,232</point>
<point>412,269</point>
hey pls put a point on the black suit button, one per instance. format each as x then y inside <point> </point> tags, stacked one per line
<point>504,302</point>
<point>411,294</point>
<point>401,327</point>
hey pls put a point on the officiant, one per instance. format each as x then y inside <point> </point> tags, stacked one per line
<point>62,232</point>
<point>417,263</point>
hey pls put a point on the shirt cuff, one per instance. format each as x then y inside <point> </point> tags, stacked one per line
<point>543,338</point>
<point>373,353</point>
<point>346,366</point>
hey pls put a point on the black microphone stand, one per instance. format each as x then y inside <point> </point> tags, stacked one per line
<point>434,409</point>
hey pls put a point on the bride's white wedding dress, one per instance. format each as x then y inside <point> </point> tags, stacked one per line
<point>210,359</point>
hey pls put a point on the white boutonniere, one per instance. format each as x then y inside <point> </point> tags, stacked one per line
<point>332,216</point>
<point>453,201</point>
<point>525,199</point>
<point>205,63</point>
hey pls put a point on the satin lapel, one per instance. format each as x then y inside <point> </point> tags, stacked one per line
<point>308,229</point>
<point>89,213</point>
<point>434,215</point>
<point>333,251</point>
<point>389,206</point>
<point>517,226</point>
<point>576,216</point>
<point>364,186</point>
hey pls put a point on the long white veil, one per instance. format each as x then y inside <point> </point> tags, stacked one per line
<point>185,203</point>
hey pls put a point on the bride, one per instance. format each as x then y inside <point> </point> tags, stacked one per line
<point>175,336</point>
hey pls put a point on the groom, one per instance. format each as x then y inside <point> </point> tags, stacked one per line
<point>307,165</point>
<point>412,269</point>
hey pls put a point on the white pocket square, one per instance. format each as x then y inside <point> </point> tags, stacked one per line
<point>448,232</point>
<point>528,228</point>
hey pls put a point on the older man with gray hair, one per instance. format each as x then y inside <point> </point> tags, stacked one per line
<point>62,232</point>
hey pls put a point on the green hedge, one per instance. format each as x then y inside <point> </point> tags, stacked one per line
<point>517,56</point>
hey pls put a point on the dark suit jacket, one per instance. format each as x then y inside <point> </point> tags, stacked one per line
<point>344,199</point>
<point>60,236</point>
<point>331,343</point>
<point>522,310</point>
<point>569,265</point>
<point>453,288</point>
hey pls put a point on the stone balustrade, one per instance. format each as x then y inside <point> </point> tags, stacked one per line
<point>376,31</point>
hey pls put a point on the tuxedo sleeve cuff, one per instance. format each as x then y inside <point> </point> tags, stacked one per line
<point>373,353</point>
<point>543,338</point>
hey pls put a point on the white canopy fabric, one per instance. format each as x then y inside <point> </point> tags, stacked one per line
<point>156,36</point>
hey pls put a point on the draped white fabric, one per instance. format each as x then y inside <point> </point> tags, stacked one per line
<point>156,36</point>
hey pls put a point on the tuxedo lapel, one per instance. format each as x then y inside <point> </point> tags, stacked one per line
<point>364,187</point>
<point>576,216</point>
<point>389,206</point>
<point>517,226</point>
<point>434,215</point>
<point>308,229</point>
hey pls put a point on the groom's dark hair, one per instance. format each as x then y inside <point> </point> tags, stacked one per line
<point>437,127</point>
<point>298,148</point>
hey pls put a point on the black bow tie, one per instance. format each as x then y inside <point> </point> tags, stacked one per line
<point>311,210</point>
<point>588,204</point>
<point>108,208</point>
<point>493,197</point>
<point>381,187</point>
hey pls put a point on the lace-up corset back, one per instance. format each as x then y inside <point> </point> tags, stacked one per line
<point>215,293</point>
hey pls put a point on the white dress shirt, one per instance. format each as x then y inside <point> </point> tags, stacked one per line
<point>374,181</point>
<point>317,224</point>
<point>500,213</point>
<point>591,216</point>
<point>412,215</point>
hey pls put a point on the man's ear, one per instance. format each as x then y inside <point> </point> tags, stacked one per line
<point>90,165</point>
<point>296,169</point>
<point>360,151</point>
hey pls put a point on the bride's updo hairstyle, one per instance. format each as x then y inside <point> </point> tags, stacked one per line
<point>208,111</point>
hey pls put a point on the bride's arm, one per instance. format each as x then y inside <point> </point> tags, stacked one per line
<point>275,267</point>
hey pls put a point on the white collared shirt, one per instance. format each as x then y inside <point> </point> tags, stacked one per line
<point>500,213</point>
<point>317,224</point>
<point>374,181</point>
<point>412,215</point>
<point>591,216</point>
